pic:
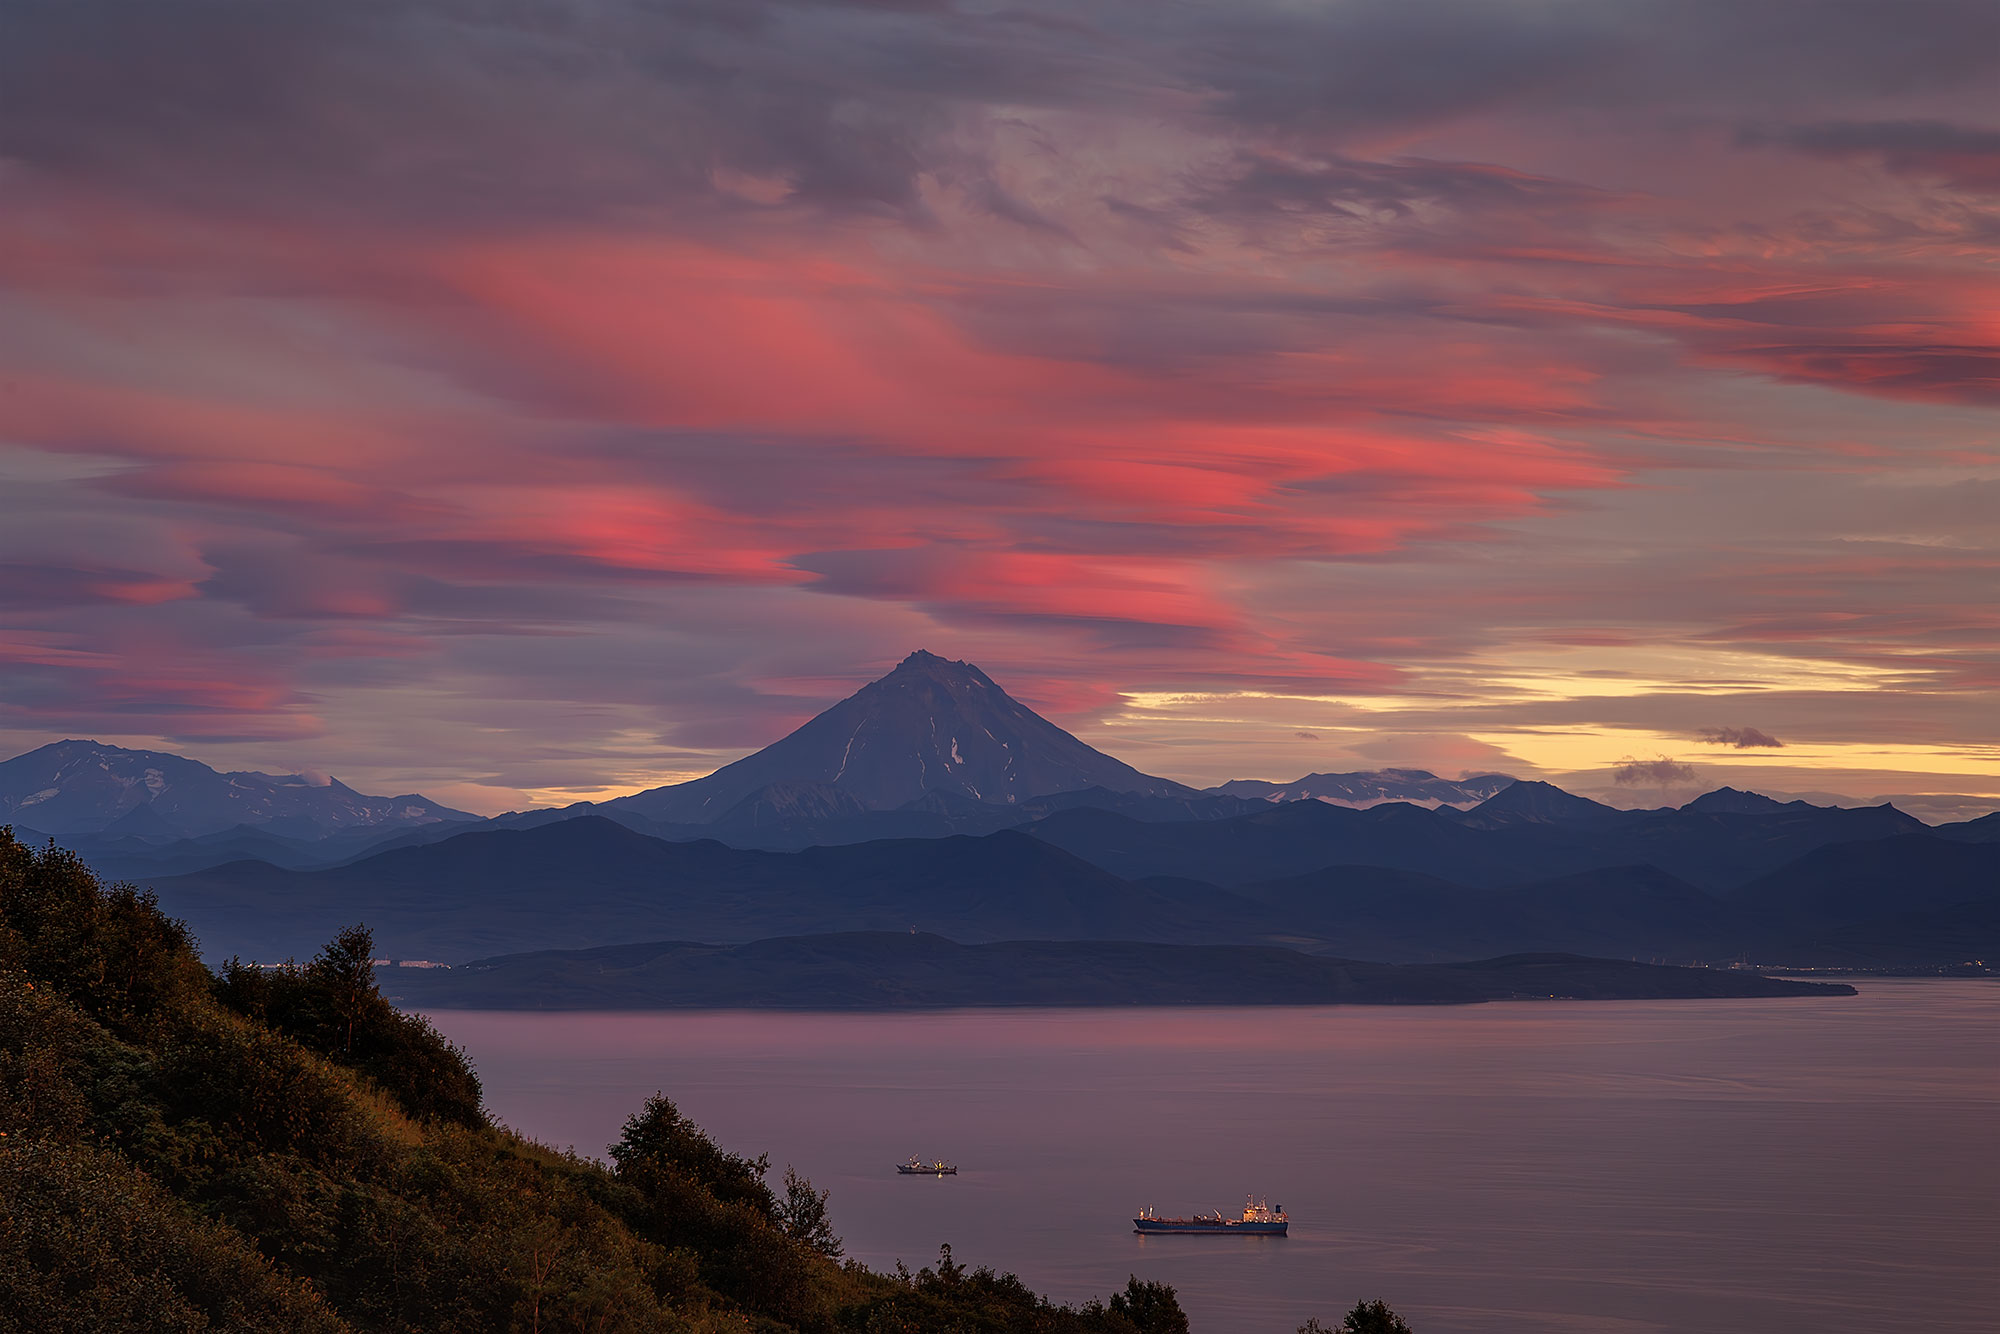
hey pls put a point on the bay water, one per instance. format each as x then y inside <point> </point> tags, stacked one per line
<point>1821,1165</point>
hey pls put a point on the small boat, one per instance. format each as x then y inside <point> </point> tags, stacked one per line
<point>917,1167</point>
<point>1258,1220</point>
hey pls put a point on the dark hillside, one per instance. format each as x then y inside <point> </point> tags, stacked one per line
<point>1529,831</point>
<point>1361,912</point>
<point>1292,839</point>
<point>582,882</point>
<point>287,1153</point>
<point>1851,883</point>
<point>1964,937</point>
<point>1985,829</point>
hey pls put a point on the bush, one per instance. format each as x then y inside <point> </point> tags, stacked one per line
<point>802,1216</point>
<point>112,952</point>
<point>1366,1318</point>
<point>285,1151</point>
<point>1153,1308</point>
<point>333,1006</point>
<point>659,1145</point>
<point>89,1245</point>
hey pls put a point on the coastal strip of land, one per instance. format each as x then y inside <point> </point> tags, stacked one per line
<point>875,970</point>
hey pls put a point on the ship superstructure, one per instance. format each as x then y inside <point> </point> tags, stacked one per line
<point>917,1167</point>
<point>1258,1219</point>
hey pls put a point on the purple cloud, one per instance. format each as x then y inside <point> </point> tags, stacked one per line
<point>1741,738</point>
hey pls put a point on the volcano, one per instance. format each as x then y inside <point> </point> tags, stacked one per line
<point>931,725</point>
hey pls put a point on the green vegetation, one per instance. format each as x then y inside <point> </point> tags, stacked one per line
<point>281,1150</point>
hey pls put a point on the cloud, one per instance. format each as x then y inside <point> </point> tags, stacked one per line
<point>1742,738</point>
<point>1660,772</point>
<point>1964,156</point>
<point>599,387</point>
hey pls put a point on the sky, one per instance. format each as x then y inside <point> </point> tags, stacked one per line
<point>549,399</point>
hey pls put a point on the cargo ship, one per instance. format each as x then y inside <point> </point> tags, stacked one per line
<point>917,1167</point>
<point>1258,1220</point>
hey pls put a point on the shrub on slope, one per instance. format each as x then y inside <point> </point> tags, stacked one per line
<point>284,1151</point>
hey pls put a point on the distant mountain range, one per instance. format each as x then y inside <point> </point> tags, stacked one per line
<point>1362,790</point>
<point>82,787</point>
<point>932,800</point>
<point>1395,883</point>
<point>934,748</point>
<point>1525,832</point>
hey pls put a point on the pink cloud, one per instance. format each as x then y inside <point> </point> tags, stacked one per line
<point>1205,370</point>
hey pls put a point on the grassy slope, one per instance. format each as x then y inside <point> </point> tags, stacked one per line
<point>168,1162</point>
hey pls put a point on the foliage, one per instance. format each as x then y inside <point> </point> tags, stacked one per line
<point>115,955</point>
<point>1151,1307</point>
<point>89,1243</point>
<point>658,1142</point>
<point>802,1216</point>
<point>282,1150</point>
<point>333,1006</point>
<point>1366,1318</point>
<point>952,1299</point>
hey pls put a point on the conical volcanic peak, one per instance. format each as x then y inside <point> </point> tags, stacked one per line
<point>923,660</point>
<point>930,725</point>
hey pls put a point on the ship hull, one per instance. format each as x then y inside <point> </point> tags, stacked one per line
<point>1226,1228</point>
<point>928,1171</point>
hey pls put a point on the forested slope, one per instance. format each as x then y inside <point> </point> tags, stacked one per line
<point>284,1150</point>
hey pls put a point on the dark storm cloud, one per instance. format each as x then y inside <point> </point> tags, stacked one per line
<point>1742,738</point>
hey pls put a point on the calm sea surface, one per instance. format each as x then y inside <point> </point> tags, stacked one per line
<point>1819,1166</point>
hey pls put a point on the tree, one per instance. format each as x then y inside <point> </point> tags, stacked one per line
<point>1152,1307</point>
<point>1366,1318</point>
<point>658,1142</point>
<point>346,969</point>
<point>802,1216</point>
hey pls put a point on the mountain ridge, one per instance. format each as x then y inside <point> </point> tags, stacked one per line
<point>78,787</point>
<point>1371,787</point>
<point>580,883</point>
